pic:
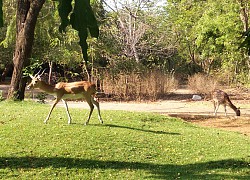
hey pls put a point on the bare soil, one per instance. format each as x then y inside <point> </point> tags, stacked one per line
<point>180,104</point>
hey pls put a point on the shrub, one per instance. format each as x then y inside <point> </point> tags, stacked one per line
<point>41,96</point>
<point>202,84</point>
<point>139,86</point>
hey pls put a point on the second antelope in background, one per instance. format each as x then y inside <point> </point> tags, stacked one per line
<point>220,97</point>
<point>63,91</point>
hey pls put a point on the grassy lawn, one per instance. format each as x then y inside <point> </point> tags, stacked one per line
<point>127,146</point>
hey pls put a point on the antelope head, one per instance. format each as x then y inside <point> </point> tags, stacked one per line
<point>35,80</point>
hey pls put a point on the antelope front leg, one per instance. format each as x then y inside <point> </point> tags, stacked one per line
<point>51,109</point>
<point>216,107</point>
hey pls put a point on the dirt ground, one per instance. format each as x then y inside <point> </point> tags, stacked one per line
<point>180,104</point>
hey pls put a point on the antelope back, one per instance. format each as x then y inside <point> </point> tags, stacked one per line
<point>220,96</point>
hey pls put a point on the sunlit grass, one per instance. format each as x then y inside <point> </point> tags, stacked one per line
<point>128,145</point>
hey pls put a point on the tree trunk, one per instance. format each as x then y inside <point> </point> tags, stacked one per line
<point>244,13</point>
<point>50,71</point>
<point>27,13</point>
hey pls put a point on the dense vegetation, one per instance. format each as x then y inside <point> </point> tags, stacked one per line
<point>178,37</point>
<point>128,145</point>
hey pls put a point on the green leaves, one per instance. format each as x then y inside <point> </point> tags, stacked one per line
<point>82,19</point>
<point>64,9</point>
<point>246,42</point>
<point>1,13</point>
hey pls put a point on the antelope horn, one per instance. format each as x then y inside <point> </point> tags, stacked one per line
<point>39,74</point>
<point>42,72</point>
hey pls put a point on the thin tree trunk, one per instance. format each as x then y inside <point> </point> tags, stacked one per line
<point>244,15</point>
<point>50,71</point>
<point>27,13</point>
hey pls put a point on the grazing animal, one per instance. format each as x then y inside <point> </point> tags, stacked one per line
<point>63,91</point>
<point>220,97</point>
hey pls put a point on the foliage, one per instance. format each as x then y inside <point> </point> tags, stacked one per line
<point>81,19</point>
<point>128,145</point>
<point>246,42</point>
<point>41,97</point>
<point>52,46</point>
<point>209,34</point>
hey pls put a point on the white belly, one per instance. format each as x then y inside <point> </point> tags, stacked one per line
<point>73,96</point>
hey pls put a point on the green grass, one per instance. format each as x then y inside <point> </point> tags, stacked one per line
<point>127,146</point>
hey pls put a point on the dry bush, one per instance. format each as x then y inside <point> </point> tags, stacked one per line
<point>202,84</point>
<point>139,86</point>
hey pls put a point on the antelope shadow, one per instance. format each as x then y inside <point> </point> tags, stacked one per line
<point>140,129</point>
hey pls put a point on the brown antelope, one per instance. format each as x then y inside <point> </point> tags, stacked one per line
<point>63,91</point>
<point>220,97</point>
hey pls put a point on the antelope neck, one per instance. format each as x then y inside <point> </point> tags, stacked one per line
<point>233,106</point>
<point>46,87</point>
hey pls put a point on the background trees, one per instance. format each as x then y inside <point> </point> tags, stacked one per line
<point>184,37</point>
<point>76,13</point>
<point>210,33</point>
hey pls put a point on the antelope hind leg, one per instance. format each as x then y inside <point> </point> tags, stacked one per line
<point>98,109</point>
<point>67,110</point>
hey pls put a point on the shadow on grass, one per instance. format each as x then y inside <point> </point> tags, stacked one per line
<point>206,170</point>
<point>143,130</point>
<point>187,116</point>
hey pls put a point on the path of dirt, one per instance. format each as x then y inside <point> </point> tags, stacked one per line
<point>180,104</point>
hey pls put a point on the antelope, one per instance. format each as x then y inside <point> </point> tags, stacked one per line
<point>63,91</point>
<point>220,97</point>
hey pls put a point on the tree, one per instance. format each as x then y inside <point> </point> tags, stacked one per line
<point>209,33</point>
<point>81,18</point>
<point>27,13</point>
<point>244,16</point>
<point>128,17</point>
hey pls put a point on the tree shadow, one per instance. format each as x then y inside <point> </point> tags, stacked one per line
<point>205,170</point>
<point>138,129</point>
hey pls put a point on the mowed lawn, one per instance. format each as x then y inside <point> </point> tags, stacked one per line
<point>129,145</point>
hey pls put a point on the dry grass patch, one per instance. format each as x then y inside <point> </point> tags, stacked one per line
<point>139,86</point>
<point>202,84</point>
